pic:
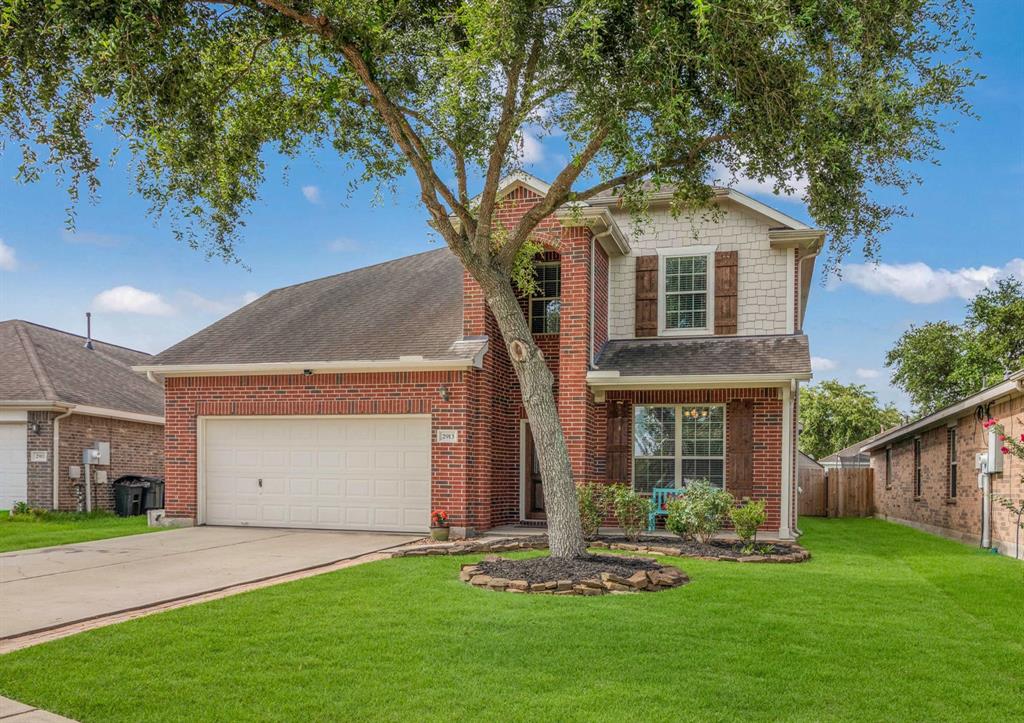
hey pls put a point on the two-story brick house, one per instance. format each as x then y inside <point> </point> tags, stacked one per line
<point>366,399</point>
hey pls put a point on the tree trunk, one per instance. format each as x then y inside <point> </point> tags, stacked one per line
<point>565,530</point>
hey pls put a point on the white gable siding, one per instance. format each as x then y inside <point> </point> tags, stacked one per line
<point>763,292</point>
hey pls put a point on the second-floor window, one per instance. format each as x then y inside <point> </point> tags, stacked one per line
<point>685,289</point>
<point>546,304</point>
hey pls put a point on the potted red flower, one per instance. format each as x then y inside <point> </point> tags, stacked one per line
<point>439,525</point>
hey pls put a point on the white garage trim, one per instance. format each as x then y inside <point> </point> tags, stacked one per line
<point>202,434</point>
<point>13,463</point>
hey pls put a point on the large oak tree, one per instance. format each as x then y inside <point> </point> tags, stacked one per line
<point>837,97</point>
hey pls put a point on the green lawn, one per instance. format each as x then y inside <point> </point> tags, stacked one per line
<point>885,623</point>
<point>24,532</point>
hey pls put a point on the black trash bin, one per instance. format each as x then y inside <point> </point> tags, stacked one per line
<point>134,494</point>
<point>154,495</point>
<point>128,499</point>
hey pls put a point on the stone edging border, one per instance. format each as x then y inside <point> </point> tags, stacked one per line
<point>664,578</point>
<point>540,542</point>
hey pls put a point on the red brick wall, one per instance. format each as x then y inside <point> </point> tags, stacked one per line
<point>452,485</point>
<point>135,448</point>
<point>934,510</point>
<point>767,434</point>
<point>39,477</point>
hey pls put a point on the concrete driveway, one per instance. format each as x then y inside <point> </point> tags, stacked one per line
<point>54,586</point>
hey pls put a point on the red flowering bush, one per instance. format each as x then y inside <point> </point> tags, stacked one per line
<point>1009,445</point>
<point>438,518</point>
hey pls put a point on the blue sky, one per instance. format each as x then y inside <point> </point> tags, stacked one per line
<point>147,291</point>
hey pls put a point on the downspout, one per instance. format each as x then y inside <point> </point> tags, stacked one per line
<point>56,458</point>
<point>590,320</point>
<point>799,307</point>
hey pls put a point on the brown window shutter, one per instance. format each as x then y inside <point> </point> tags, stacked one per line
<point>726,294</point>
<point>646,296</point>
<point>739,455</point>
<point>617,449</point>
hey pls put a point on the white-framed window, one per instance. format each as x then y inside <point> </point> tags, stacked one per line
<point>676,444</point>
<point>686,279</point>
<point>546,304</point>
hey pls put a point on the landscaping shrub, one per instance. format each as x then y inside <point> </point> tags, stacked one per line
<point>679,520</point>
<point>631,510</point>
<point>746,519</point>
<point>708,507</point>
<point>593,507</point>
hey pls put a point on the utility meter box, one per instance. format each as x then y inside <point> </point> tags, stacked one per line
<point>103,453</point>
<point>90,456</point>
<point>101,476</point>
<point>995,455</point>
<point>74,471</point>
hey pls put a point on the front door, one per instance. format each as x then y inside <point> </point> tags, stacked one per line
<point>533,492</point>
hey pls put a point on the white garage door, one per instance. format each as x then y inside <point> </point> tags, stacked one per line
<point>13,464</point>
<point>345,473</point>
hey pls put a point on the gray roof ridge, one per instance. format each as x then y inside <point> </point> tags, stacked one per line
<point>71,333</point>
<point>28,345</point>
<point>352,271</point>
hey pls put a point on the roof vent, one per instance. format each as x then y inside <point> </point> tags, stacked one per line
<point>88,330</point>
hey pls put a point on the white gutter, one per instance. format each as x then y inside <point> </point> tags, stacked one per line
<point>404,363</point>
<point>608,380</point>
<point>56,458</point>
<point>118,414</point>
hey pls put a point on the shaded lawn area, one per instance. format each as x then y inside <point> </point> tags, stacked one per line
<point>24,532</point>
<point>885,623</point>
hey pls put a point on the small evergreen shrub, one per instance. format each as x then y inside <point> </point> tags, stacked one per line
<point>708,507</point>
<point>679,518</point>
<point>593,507</point>
<point>746,519</point>
<point>631,510</point>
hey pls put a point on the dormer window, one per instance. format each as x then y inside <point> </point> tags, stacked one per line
<point>546,304</point>
<point>685,286</point>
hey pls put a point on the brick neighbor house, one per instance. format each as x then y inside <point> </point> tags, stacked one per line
<point>59,397</point>
<point>925,474</point>
<point>366,399</point>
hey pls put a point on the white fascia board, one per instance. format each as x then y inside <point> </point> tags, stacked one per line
<point>765,210</point>
<point>318,367</point>
<point>513,181</point>
<point>807,238</point>
<point>1014,384</point>
<point>613,380</point>
<point>611,238</point>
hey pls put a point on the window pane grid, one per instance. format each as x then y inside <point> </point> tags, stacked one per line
<point>675,445</point>
<point>686,298</point>
<point>546,304</point>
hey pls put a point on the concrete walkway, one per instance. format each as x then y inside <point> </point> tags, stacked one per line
<point>56,586</point>
<point>12,710</point>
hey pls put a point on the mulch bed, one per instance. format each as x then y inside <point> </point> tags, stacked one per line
<point>715,550</point>
<point>589,575</point>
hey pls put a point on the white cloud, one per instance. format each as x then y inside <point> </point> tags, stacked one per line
<point>312,193</point>
<point>343,245</point>
<point>8,259</point>
<point>216,306</point>
<point>868,373</point>
<point>721,176</point>
<point>823,364</point>
<point>129,300</point>
<point>919,283</point>
<point>531,150</point>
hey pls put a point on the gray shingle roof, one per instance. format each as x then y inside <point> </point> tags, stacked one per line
<point>407,307</point>
<point>782,354</point>
<point>44,364</point>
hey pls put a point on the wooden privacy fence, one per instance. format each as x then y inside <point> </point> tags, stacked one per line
<point>847,492</point>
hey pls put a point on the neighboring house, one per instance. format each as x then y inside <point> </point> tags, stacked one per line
<point>806,461</point>
<point>58,398</point>
<point>367,399</point>
<point>851,456</point>
<point>925,473</point>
